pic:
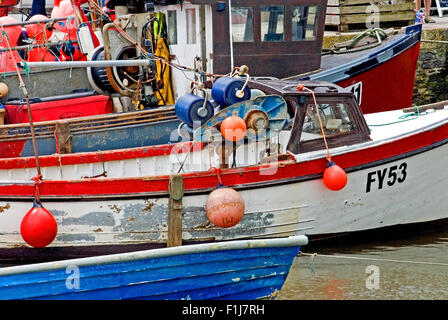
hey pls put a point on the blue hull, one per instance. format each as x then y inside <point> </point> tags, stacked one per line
<point>215,272</point>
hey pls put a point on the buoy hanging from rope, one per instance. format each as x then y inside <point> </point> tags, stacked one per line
<point>335,177</point>
<point>225,207</point>
<point>233,128</point>
<point>38,227</point>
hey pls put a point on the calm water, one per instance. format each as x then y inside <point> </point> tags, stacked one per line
<point>329,278</point>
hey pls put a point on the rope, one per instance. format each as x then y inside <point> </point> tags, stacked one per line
<point>218,172</point>
<point>313,255</point>
<point>406,117</point>
<point>25,93</point>
<point>301,87</point>
<point>37,181</point>
<point>375,33</point>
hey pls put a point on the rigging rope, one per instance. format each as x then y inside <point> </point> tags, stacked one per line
<point>313,255</point>
<point>301,87</point>
<point>22,86</point>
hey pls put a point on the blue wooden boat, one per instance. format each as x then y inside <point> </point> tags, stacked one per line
<point>245,269</point>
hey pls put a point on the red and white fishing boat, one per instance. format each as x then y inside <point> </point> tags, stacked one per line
<point>117,200</point>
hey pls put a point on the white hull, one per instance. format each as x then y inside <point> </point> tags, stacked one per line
<point>305,207</point>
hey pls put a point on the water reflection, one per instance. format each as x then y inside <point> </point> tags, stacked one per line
<point>377,275</point>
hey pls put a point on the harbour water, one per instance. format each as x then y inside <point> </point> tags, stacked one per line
<point>399,268</point>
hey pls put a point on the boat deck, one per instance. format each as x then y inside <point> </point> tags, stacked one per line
<point>330,61</point>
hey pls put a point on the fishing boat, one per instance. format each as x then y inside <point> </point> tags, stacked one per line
<point>234,270</point>
<point>381,76</point>
<point>112,201</point>
<point>289,36</point>
<point>152,126</point>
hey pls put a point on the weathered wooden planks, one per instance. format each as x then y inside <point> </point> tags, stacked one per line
<point>176,191</point>
<point>360,14</point>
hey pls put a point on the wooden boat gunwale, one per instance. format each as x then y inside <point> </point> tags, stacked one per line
<point>158,253</point>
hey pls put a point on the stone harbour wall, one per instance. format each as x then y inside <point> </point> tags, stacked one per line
<point>431,76</point>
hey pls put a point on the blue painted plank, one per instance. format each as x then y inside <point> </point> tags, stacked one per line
<point>134,136</point>
<point>150,273</point>
<point>205,287</point>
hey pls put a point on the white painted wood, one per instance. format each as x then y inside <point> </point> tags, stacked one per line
<point>440,8</point>
<point>185,53</point>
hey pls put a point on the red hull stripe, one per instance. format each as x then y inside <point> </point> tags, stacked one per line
<point>93,157</point>
<point>244,177</point>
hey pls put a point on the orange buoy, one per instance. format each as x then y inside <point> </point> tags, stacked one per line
<point>10,38</point>
<point>224,207</point>
<point>38,31</point>
<point>38,227</point>
<point>40,34</point>
<point>233,128</point>
<point>13,32</point>
<point>3,89</point>
<point>335,177</point>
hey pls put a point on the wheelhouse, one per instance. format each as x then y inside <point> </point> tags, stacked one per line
<point>342,120</point>
<point>279,38</point>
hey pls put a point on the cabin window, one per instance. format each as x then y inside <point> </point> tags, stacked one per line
<point>304,23</point>
<point>336,120</point>
<point>242,24</point>
<point>191,26</point>
<point>172,26</point>
<point>272,23</point>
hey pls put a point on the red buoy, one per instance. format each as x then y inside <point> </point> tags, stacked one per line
<point>335,177</point>
<point>224,207</point>
<point>38,31</point>
<point>38,227</point>
<point>12,34</point>
<point>233,128</point>
<point>40,34</point>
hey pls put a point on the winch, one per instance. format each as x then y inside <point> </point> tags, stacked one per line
<point>135,34</point>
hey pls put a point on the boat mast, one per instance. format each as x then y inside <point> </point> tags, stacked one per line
<point>230,35</point>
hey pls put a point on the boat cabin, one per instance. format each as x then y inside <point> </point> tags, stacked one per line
<point>341,116</point>
<point>277,38</point>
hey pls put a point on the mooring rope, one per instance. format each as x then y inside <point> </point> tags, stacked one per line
<point>403,118</point>
<point>313,255</point>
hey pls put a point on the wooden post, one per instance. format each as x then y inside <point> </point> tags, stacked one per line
<point>176,191</point>
<point>224,164</point>
<point>63,138</point>
<point>2,116</point>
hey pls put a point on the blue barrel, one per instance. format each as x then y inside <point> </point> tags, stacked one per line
<point>188,109</point>
<point>224,91</point>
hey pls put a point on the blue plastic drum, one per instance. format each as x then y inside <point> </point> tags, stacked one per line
<point>189,109</point>
<point>224,91</point>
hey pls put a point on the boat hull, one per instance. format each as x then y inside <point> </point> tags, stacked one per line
<point>388,184</point>
<point>233,270</point>
<point>382,79</point>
